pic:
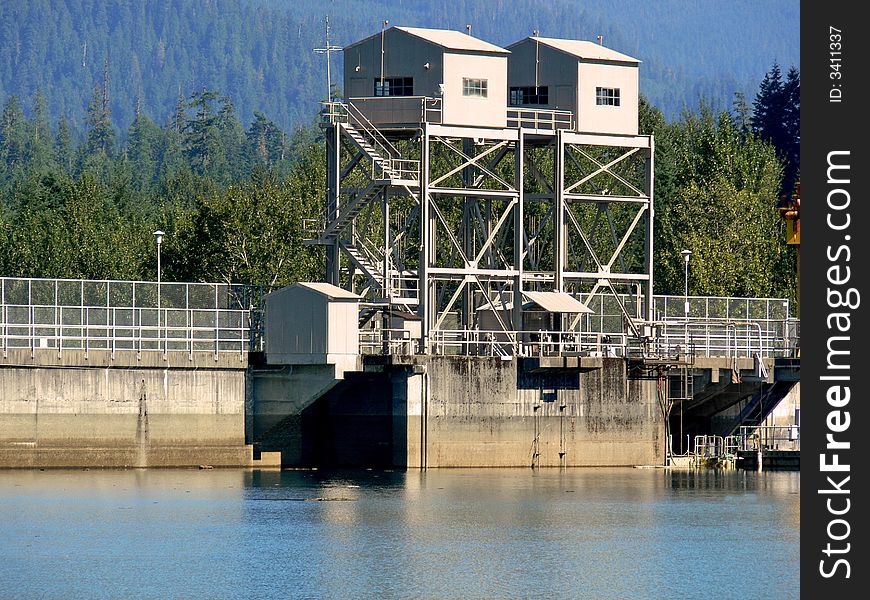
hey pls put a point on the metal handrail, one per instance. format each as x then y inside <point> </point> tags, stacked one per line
<point>773,437</point>
<point>539,118</point>
<point>124,328</point>
<point>389,149</point>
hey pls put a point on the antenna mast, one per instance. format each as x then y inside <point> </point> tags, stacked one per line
<point>327,50</point>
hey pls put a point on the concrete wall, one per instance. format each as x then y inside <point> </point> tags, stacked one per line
<point>466,412</point>
<point>97,411</point>
<point>280,396</point>
<point>486,412</point>
<point>787,412</point>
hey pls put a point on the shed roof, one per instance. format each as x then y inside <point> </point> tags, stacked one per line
<point>331,291</point>
<point>582,49</point>
<point>557,302</point>
<point>446,38</point>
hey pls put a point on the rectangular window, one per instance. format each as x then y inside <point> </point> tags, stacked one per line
<point>474,87</point>
<point>523,96</point>
<point>394,86</point>
<point>607,96</point>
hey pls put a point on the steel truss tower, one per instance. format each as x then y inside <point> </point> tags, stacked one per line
<point>447,221</point>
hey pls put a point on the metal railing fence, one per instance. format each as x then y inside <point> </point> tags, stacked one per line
<point>73,314</point>
<point>770,437</point>
<point>537,118</point>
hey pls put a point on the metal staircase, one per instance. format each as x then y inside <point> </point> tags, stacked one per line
<point>383,166</point>
<point>350,211</point>
<point>403,284</point>
<point>364,264</point>
<point>759,406</point>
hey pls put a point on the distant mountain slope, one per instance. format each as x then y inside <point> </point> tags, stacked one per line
<point>260,52</point>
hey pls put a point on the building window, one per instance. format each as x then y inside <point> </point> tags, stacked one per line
<point>474,87</point>
<point>607,96</point>
<point>394,86</point>
<point>521,96</point>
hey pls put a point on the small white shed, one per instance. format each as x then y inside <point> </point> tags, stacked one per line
<point>389,74</point>
<point>598,85</point>
<point>311,323</point>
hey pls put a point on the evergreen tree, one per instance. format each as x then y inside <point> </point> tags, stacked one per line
<point>792,118</point>
<point>64,152</point>
<point>776,118</point>
<point>266,142</point>
<point>742,113</point>
<point>39,156</point>
<point>101,134</point>
<point>202,137</point>
<point>232,141</point>
<point>12,136</point>
<point>142,139</point>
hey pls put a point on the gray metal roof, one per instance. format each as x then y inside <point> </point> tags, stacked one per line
<point>329,290</point>
<point>446,38</point>
<point>557,302</point>
<point>582,49</point>
<point>454,40</point>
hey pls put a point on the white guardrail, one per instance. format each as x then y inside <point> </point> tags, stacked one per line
<point>63,314</point>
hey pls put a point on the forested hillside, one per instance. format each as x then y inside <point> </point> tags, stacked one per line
<point>259,53</point>
<point>197,117</point>
<point>233,198</point>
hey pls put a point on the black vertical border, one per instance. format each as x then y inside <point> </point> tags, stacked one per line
<point>828,126</point>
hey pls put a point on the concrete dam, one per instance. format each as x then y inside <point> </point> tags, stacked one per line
<point>84,385</point>
<point>488,299</point>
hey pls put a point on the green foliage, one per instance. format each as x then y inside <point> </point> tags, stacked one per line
<point>716,189</point>
<point>232,203</point>
<point>776,118</point>
<point>232,200</point>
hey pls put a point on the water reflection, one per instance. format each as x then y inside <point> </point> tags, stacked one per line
<point>585,533</point>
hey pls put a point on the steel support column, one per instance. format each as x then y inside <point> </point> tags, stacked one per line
<point>424,293</point>
<point>559,233</point>
<point>333,189</point>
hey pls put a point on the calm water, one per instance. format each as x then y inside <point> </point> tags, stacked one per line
<point>590,533</point>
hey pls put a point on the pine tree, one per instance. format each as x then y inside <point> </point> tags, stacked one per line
<point>101,134</point>
<point>776,119</point>
<point>12,135</point>
<point>63,146</point>
<point>39,136</point>
<point>140,149</point>
<point>202,140</point>
<point>792,126</point>
<point>742,113</point>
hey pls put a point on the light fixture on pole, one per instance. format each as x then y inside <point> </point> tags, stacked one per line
<point>159,237</point>
<point>686,254</point>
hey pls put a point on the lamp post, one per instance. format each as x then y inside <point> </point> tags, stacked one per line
<point>158,235</point>
<point>686,254</point>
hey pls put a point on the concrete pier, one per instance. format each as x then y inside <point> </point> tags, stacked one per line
<point>469,411</point>
<point>122,409</point>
